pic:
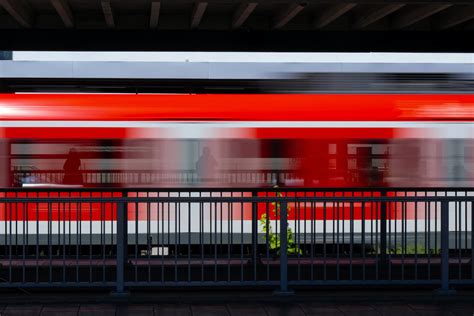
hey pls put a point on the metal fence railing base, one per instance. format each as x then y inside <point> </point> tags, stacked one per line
<point>285,239</point>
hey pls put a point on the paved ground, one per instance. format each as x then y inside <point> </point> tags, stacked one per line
<point>367,302</point>
<point>246,309</point>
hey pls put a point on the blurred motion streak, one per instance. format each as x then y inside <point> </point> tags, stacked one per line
<point>300,140</point>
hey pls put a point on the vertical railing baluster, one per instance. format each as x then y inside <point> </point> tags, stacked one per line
<point>472,238</point>
<point>122,236</point>
<point>254,234</point>
<point>283,248</point>
<point>383,235</point>
<point>445,290</point>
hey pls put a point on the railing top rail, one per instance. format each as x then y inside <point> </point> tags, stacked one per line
<point>154,171</point>
<point>237,189</point>
<point>235,199</point>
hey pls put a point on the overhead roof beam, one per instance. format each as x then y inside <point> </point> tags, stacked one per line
<point>198,12</point>
<point>242,13</point>
<point>108,13</point>
<point>21,14</point>
<point>456,17</point>
<point>332,14</point>
<point>416,15</point>
<point>287,15</point>
<point>155,14</point>
<point>377,15</point>
<point>64,11</point>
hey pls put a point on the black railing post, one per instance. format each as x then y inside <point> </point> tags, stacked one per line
<point>445,290</point>
<point>254,234</point>
<point>283,249</point>
<point>383,235</point>
<point>122,235</point>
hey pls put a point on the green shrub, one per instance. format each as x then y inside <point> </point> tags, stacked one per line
<point>273,238</point>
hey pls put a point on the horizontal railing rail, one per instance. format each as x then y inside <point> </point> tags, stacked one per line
<point>137,177</point>
<point>327,189</point>
<point>279,237</point>
<point>293,189</point>
<point>294,199</point>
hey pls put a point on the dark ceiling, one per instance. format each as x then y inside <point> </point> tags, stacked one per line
<point>32,24</point>
<point>235,14</point>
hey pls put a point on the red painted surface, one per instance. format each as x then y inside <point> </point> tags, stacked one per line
<point>241,107</point>
<point>64,133</point>
<point>167,211</point>
<point>205,108</point>
<point>254,133</point>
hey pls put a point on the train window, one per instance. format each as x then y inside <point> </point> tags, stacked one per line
<point>142,162</point>
<point>236,162</point>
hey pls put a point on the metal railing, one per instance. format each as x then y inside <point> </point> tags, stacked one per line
<point>147,177</point>
<point>124,238</point>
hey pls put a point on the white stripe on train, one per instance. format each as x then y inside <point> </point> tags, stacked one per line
<point>224,226</point>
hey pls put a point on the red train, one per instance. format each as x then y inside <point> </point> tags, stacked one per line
<point>227,141</point>
<point>237,140</point>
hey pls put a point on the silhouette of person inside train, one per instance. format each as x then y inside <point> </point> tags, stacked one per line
<point>72,172</point>
<point>206,165</point>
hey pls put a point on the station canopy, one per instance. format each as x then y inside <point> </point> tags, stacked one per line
<point>236,25</point>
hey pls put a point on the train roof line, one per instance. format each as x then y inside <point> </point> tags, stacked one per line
<point>130,70</point>
<point>255,57</point>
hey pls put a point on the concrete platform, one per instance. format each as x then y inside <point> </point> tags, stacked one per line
<point>248,303</point>
<point>248,309</point>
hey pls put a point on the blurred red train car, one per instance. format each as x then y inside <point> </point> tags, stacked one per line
<point>238,140</point>
<point>234,141</point>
